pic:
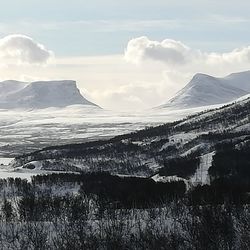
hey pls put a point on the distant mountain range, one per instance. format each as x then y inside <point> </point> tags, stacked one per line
<point>40,94</point>
<point>204,90</point>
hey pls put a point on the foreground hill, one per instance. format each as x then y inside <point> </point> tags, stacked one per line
<point>205,90</point>
<point>180,150</point>
<point>41,94</point>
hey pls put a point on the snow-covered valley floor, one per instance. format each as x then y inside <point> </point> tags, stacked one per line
<point>25,131</point>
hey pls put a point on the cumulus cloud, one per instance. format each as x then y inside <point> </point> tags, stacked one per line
<point>22,49</point>
<point>175,53</point>
<point>168,51</point>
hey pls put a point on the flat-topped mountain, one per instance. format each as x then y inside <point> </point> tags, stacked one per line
<point>40,94</point>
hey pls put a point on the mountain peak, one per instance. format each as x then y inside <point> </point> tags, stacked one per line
<point>205,90</point>
<point>199,76</point>
<point>202,79</point>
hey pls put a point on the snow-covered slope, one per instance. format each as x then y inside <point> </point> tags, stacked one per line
<point>10,86</point>
<point>239,80</point>
<point>205,90</point>
<point>183,148</point>
<point>41,94</point>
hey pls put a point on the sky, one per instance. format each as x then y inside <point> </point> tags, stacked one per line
<point>124,55</point>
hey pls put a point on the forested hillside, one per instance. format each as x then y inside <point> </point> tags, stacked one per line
<point>152,150</point>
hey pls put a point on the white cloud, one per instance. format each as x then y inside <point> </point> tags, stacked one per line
<point>175,53</point>
<point>20,49</point>
<point>168,51</point>
<point>139,95</point>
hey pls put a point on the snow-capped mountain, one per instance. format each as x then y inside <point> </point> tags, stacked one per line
<point>204,90</point>
<point>40,94</point>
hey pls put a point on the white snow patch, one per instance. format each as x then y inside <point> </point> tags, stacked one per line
<point>201,175</point>
<point>152,164</point>
<point>165,179</point>
<point>6,161</point>
<point>37,165</point>
<point>179,139</point>
<point>7,172</point>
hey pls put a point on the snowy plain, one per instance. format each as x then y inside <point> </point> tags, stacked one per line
<point>23,131</point>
